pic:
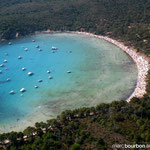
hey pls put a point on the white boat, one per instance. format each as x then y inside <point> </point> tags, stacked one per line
<point>48,71</point>
<point>19,57</point>
<point>30,73</point>
<point>36,86</point>
<point>50,77</point>
<point>2,65</point>
<point>40,80</point>
<point>23,69</point>
<point>5,61</point>
<point>22,90</point>
<point>54,48</point>
<point>68,71</point>
<point>33,40</point>
<point>8,79</point>
<point>0,71</point>
<point>26,49</point>
<point>12,92</point>
<point>37,46</point>
<point>9,43</point>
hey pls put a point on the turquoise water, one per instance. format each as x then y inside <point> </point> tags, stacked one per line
<point>100,72</point>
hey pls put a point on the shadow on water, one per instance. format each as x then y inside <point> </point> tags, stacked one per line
<point>2,82</point>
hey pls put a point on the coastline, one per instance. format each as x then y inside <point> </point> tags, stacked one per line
<point>140,61</point>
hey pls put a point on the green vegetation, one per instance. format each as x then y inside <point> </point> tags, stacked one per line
<point>126,20</point>
<point>86,128</point>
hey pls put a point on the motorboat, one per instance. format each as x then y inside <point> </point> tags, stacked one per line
<point>22,90</point>
<point>30,73</point>
<point>12,92</point>
<point>40,80</point>
<point>19,57</point>
<point>26,49</point>
<point>50,77</point>
<point>8,79</point>
<point>2,65</point>
<point>54,48</point>
<point>36,86</point>
<point>5,61</point>
<point>23,69</point>
<point>48,71</point>
<point>68,71</point>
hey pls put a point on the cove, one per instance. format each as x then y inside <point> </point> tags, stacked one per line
<point>100,72</point>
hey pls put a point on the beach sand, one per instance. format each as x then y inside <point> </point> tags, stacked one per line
<point>140,89</point>
<point>141,62</point>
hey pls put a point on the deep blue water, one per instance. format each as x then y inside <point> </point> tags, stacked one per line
<point>100,72</point>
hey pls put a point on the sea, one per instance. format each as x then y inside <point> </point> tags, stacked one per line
<point>82,71</point>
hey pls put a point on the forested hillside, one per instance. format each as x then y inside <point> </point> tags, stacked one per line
<point>95,128</point>
<point>127,20</point>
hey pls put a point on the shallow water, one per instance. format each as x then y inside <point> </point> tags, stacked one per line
<point>100,72</point>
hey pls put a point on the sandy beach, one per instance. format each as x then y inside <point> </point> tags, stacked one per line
<point>141,62</point>
<point>139,59</point>
<point>140,89</point>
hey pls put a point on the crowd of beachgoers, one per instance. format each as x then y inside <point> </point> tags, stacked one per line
<point>141,62</point>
